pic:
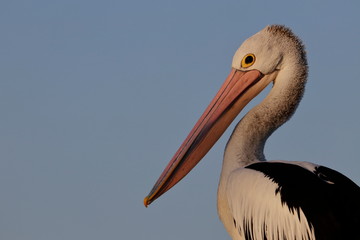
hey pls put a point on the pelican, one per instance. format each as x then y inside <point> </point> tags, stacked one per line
<point>259,199</point>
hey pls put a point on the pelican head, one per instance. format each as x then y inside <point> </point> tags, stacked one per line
<point>271,55</point>
<point>269,50</point>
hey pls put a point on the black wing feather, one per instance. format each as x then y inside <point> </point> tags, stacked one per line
<point>329,200</point>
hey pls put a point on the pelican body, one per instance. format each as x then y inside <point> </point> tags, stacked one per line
<point>259,199</point>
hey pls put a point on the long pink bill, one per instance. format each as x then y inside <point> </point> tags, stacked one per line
<point>226,105</point>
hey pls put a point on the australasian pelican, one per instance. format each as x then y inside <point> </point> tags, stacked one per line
<point>260,199</point>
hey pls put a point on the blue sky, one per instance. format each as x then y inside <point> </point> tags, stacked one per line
<point>96,96</point>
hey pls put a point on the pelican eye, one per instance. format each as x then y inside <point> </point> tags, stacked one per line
<point>248,60</point>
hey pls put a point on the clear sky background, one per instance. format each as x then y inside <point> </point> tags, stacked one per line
<point>96,97</point>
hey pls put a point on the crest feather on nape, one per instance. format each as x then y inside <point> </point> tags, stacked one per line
<point>283,31</point>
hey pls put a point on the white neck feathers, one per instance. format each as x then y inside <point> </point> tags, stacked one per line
<point>247,141</point>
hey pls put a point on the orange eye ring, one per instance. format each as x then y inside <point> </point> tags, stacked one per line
<point>248,60</point>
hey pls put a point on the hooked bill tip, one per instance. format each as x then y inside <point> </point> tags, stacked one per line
<point>146,201</point>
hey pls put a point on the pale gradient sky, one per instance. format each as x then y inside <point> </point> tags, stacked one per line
<point>96,96</point>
